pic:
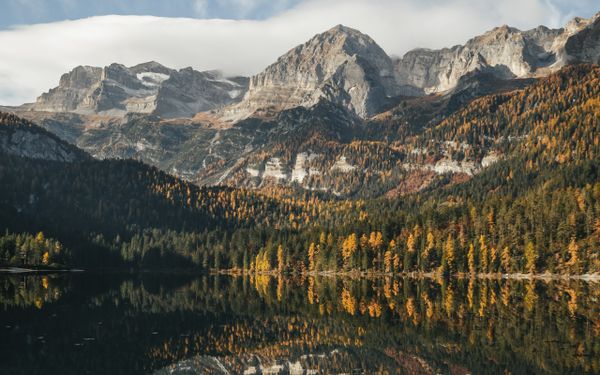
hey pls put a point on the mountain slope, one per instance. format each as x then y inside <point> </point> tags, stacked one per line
<point>22,138</point>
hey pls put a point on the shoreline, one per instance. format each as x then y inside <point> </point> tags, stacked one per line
<point>591,277</point>
<point>21,270</point>
<point>354,274</point>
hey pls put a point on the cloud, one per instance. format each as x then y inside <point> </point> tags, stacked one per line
<point>32,58</point>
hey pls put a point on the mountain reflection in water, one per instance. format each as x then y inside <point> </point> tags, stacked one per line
<point>165,324</point>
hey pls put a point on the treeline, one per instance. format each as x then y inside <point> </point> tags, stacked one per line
<point>541,222</point>
<point>24,249</point>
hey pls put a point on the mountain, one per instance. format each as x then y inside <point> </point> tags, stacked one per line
<point>335,114</point>
<point>145,88</point>
<point>341,65</point>
<point>505,52</point>
<point>22,138</point>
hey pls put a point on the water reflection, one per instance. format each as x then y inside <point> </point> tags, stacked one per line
<point>212,324</point>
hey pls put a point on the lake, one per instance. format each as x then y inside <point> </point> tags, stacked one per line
<point>146,323</point>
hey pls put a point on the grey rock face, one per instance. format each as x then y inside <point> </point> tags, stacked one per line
<point>505,52</point>
<point>341,65</point>
<point>145,88</point>
<point>21,138</point>
<point>188,92</point>
<point>584,46</point>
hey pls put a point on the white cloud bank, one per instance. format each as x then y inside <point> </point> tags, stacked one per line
<point>32,58</point>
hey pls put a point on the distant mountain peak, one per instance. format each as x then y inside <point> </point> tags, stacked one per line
<point>148,87</point>
<point>341,64</point>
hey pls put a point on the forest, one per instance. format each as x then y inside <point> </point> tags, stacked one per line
<point>534,211</point>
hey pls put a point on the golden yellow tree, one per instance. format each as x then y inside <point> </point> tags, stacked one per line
<point>39,238</point>
<point>483,252</point>
<point>410,243</point>
<point>280,259</point>
<point>46,258</point>
<point>573,254</point>
<point>471,259</point>
<point>493,257</point>
<point>530,257</point>
<point>449,255</point>
<point>349,247</point>
<point>505,259</point>
<point>311,256</point>
<point>387,261</point>
<point>376,240</point>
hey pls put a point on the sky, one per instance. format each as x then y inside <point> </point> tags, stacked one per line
<point>42,39</point>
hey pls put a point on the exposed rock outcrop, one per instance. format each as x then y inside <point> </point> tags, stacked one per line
<point>22,138</point>
<point>145,88</point>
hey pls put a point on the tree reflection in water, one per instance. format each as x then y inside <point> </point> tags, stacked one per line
<point>115,324</point>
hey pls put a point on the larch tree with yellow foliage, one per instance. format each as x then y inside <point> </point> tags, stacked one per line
<point>312,250</point>
<point>531,257</point>
<point>505,259</point>
<point>471,260</point>
<point>280,259</point>
<point>349,246</point>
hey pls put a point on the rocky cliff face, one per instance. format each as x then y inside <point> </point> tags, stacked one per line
<point>145,88</point>
<point>22,138</point>
<point>584,46</point>
<point>341,65</point>
<point>504,52</point>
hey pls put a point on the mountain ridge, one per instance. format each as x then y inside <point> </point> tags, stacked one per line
<point>504,51</point>
<point>341,64</point>
<point>144,88</point>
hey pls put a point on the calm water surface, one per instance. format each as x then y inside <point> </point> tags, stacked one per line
<point>165,324</point>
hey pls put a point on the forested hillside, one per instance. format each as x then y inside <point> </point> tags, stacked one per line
<point>535,210</point>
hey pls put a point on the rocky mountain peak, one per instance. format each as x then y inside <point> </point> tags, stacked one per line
<point>151,66</point>
<point>346,37</point>
<point>81,77</point>
<point>342,65</point>
<point>144,88</point>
